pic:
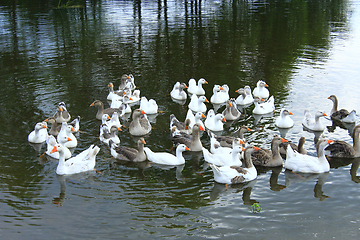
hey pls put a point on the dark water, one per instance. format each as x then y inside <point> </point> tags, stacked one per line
<point>304,50</point>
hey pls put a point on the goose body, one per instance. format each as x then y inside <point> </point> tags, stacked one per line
<point>197,104</point>
<point>178,92</point>
<point>216,97</point>
<point>284,120</point>
<point>167,158</point>
<point>308,164</point>
<point>224,159</point>
<point>127,153</point>
<point>124,80</point>
<point>197,88</point>
<point>260,90</point>
<point>191,141</point>
<point>55,127</point>
<point>335,114</point>
<point>51,143</point>
<point>62,114</point>
<point>265,107</point>
<point>231,112</point>
<point>313,123</point>
<point>215,123</point>
<point>343,149</point>
<point>195,118</point>
<point>84,161</point>
<point>245,97</point>
<point>140,124</point>
<point>67,131</point>
<point>235,174</point>
<point>149,106</point>
<point>269,157</point>
<point>39,134</point>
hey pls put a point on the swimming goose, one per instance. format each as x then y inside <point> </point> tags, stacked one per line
<point>235,174</point>
<point>231,112</point>
<point>39,134</point>
<point>343,149</point>
<point>124,80</point>
<point>67,131</point>
<point>299,148</point>
<point>335,114</point>
<point>181,126</point>
<point>197,104</point>
<point>260,90</point>
<point>264,107</point>
<point>224,93</point>
<point>178,92</point>
<point>140,124</point>
<point>75,124</point>
<point>195,118</point>
<point>55,128</point>
<point>123,104</point>
<point>84,161</point>
<point>108,134</point>
<point>134,96</point>
<point>191,141</point>
<point>62,114</point>
<point>245,97</point>
<point>197,89</point>
<point>216,97</point>
<point>149,106</point>
<point>127,153</point>
<point>215,123</point>
<point>269,157</point>
<point>224,159</point>
<point>215,148</point>
<point>167,158</point>
<point>227,141</point>
<point>308,164</point>
<point>313,123</point>
<point>51,142</point>
<point>284,120</point>
<point>101,111</point>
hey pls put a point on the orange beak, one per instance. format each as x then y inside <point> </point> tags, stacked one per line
<point>111,85</point>
<point>43,126</point>
<point>290,113</point>
<point>230,104</point>
<point>284,140</point>
<point>206,82</point>
<point>187,149</point>
<point>72,129</point>
<point>248,129</point>
<point>221,88</point>
<point>330,141</point>
<point>54,149</point>
<point>143,141</point>
<point>203,116</point>
<point>91,105</point>
<point>119,129</point>
<point>142,112</point>
<point>266,85</point>
<point>202,128</point>
<point>324,114</point>
<point>224,120</point>
<point>237,91</point>
<point>256,148</point>
<point>186,86</point>
<point>206,100</point>
<point>242,142</point>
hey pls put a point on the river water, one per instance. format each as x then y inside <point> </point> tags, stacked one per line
<point>304,50</point>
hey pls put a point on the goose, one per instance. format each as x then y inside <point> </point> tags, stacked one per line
<point>55,128</point>
<point>227,141</point>
<point>62,114</point>
<point>343,149</point>
<point>131,81</point>
<point>265,107</point>
<point>149,106</point>
<point>134,96</point>
<point>167,158</point>
<point>123,104</point>
<point>75,124</point>
<point>197,104</point>
<point>181,126</point>
<point>210,117</point>
<point>351,118</point>
<point>111,96</point>
<point>299,148</point>
<point>269,157</point>
<point>215,147</point>
<point>224,159</point>
<point>260,90</point>
<point>313,123</point>
<point>195,118</point>
<point>196,89</point>
<point>284,120</point>
<point>231,112</point>
<point>114,120</point>
<point>109,134</point>
<point>215,123</point>
<point>127,153</point>
<point>335,114</point>
<point>67,131</point>
<point>216,97</point>
<point>51,142</point>
<point>139,125</point>
<point>39,134</point>
<point>191,141</point>
<point>235,174</point>
<point>101,111</point>
<point>105,119</point>
<point>124,80</point>
<point>245,97</point>
<point>308,164</point>
<point>178,92</point>
<point>84,161</point>
<point>224,93</point>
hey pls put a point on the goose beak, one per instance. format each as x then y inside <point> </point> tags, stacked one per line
<point>69,139</point>
<point>91,105</point>
<point>131,99</point>
<point>187,149</point>
<point>143,141</point>
<point>108,117</point>
<point>243,149</point>
<point>221,88</point>
<point>224,120</point>
<point>324,114</point>
<point>142,112</point>
<point>72,129</point>
<point>266,85</point>
<point>256,148</point>
<point>202,128</point>
<point>43,126</point>
<point>206,100</point>
<point>242,142</point>
<point>230,104</point>
<point>186,86</point>
<point>284,140</point>
<point>290,113</point>
<point>54,149</point>
<point>330,141</point>
<point>119,129</point>
<point>203,116</point>
<point>248,129</point>
<point>237,91</point>
<point>206,82</point>
<point>46,120</point>
<point>111,85</point>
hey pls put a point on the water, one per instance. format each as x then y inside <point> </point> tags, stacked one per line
<point>305,51</point>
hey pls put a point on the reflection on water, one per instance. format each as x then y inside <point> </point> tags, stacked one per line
<point>49,55</point>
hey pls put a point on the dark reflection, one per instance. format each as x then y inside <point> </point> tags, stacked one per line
<point>274,177</point>
<point>291,177</point>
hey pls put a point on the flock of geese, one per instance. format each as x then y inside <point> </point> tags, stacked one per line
<point>232,159</point>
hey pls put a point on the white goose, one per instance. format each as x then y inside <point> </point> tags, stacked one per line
<point>84,161</point>
<point>308,164</point>
<point>149,106</point>
<point>216,97</point>
<point>39,134</point>
<point>197,104</point>
<point>265,107</point>
<point>224,159</point>
<point>67,131</point>
<point>235,174</point>
<point>51,142</point>
<point>167,158</point>
<point>197,89</point>
<point>216,122</point>
<point>260,90</point>
<point>284,120</point>
<point>195,118</point>
<point>245,97</point>
<point>224,93</point>
<point>178,92</point>
<point>313,123</point>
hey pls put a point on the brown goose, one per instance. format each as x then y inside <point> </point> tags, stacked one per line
<point>127,153</point>
<point>231,112</point>
<point>269,157</point>
<point>182,126</point>
<point>226,141</point>
<point>336,114</point>
<point>140,124</point>
<point>191,141</point>
<point>101,111</point>
<point>55,127</point>
<point>343,149</point>
<point>299,148</point>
